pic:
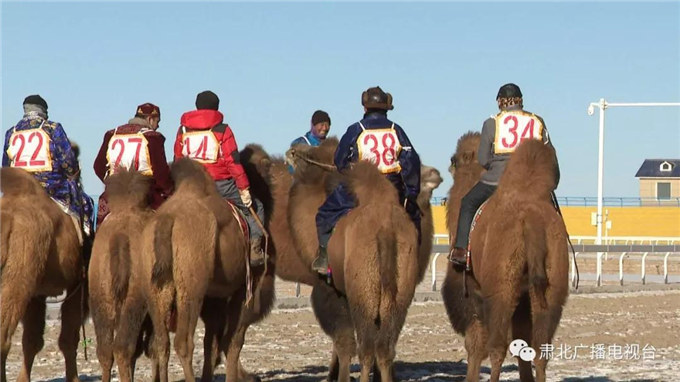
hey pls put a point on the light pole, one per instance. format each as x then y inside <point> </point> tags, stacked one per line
<point>603,105</point>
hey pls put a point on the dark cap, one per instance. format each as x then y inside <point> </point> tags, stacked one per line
<point>148,110</point>
<point>35,100</point>
<point>207,100</point>
<point>509,91</point>
<point>320,116</point>
<point>376,98</point>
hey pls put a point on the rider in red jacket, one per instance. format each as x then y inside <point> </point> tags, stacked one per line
<point>204,137</point>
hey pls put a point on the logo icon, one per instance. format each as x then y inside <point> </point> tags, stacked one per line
<point>520,348</point>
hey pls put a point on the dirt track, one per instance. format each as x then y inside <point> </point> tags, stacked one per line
<point>289,346</point>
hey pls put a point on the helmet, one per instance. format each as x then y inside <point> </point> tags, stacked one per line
<point>509,91</point>
<point>376,98</point>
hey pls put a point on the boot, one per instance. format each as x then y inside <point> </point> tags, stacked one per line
<point>256,252</point>
<point>320,264</point>
<point>458,257</point>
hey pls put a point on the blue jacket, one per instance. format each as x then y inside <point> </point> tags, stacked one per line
<point>62,182</point>
<point>405,175</point>
<point>307,139</point>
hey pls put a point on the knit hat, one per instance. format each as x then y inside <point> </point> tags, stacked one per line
<point>320,116</point>
<point>509,91</point>
<point>35,100</point>
<point>207,100</point>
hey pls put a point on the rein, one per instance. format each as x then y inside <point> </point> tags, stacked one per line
<point>325,166</point>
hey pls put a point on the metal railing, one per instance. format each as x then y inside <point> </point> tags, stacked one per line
<point>591,201</point>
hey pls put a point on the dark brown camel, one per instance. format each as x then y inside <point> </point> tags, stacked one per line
<point>194,248</point>
<point>375,302</point>
<point>117,298</point>
<point>521,233</point>
<point>40,257</point>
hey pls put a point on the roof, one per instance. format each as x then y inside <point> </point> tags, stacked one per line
<point>651,168</point>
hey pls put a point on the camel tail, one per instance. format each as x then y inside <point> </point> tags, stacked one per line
<point>536,250</point>
<point>162,247</point>
<point>120,265</point>
<point>387,259</point>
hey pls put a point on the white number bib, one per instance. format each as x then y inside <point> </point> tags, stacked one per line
<point>512,127</point>
<point>130,151</point>
<point>201,146</point>
<point>380,146</point>
<point>30,150</point>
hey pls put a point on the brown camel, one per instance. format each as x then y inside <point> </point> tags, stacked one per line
<point>195,250</point>
<point>117,298</point>
<point>228,320</point>
<point>41,256</point>
<point>520,232</point>
<point>385,265</point>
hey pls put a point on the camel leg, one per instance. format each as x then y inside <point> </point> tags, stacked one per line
<point>499,311</point>
<point>160,340</point>
<point>545,320</point>
<point>188,310</point>
<point>366,358</point>
<point>71,317</point>
<point>12,310</point>
<point>32,340</point>
<point>332,312</point>
<point>103,328</point>
<point>234,339</point>
<point>214,315</point>
<point>385,361</point>
<point>521,329</point>
<point>333,368</point>
<point>475,345</point>
<point>127,339</point>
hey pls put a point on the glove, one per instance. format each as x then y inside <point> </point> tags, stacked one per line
<point>245,197</point>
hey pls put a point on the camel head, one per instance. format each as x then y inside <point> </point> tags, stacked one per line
<point>312,164</point>
<point>430,179</point>
<point>465,156</point>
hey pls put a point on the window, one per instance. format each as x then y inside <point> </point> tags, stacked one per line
<point>665,166</point>
<point>663,190</point>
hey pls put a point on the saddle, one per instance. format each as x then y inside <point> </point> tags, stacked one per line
<point>241,218</point>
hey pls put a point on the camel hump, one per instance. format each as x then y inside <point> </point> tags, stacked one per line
<point>531,172</point>
<point>18,182</point>
<point>370,186</point>
<point>127,189</point>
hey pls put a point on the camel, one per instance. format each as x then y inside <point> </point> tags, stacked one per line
<point>227,321</point>
<point>194,249</point>
<point>117,299</point>
<point>41,256</point>
<point>520,232</point>
<point>385,265</point>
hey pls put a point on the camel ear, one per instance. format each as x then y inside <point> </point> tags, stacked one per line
<point>265,165</point>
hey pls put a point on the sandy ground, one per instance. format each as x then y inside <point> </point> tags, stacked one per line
<point>289,345</point>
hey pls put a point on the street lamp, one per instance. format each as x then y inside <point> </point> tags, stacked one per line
<point>603,105</point>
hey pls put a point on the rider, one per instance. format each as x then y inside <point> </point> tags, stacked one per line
<point>512,124</point>
<point>383,142</point>
<point>204,137</point>
<point>41,147</point>
<point>136,145</point>
<point>320,125</point>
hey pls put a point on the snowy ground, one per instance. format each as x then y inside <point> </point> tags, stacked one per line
<point>289,346</point>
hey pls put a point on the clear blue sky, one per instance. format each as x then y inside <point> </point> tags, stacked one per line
<point>273,64</point>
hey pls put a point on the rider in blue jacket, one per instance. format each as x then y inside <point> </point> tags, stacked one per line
<point>384,143</point>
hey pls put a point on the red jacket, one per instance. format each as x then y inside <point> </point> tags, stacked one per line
<point>203,137</point>
<point>158,166</point>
